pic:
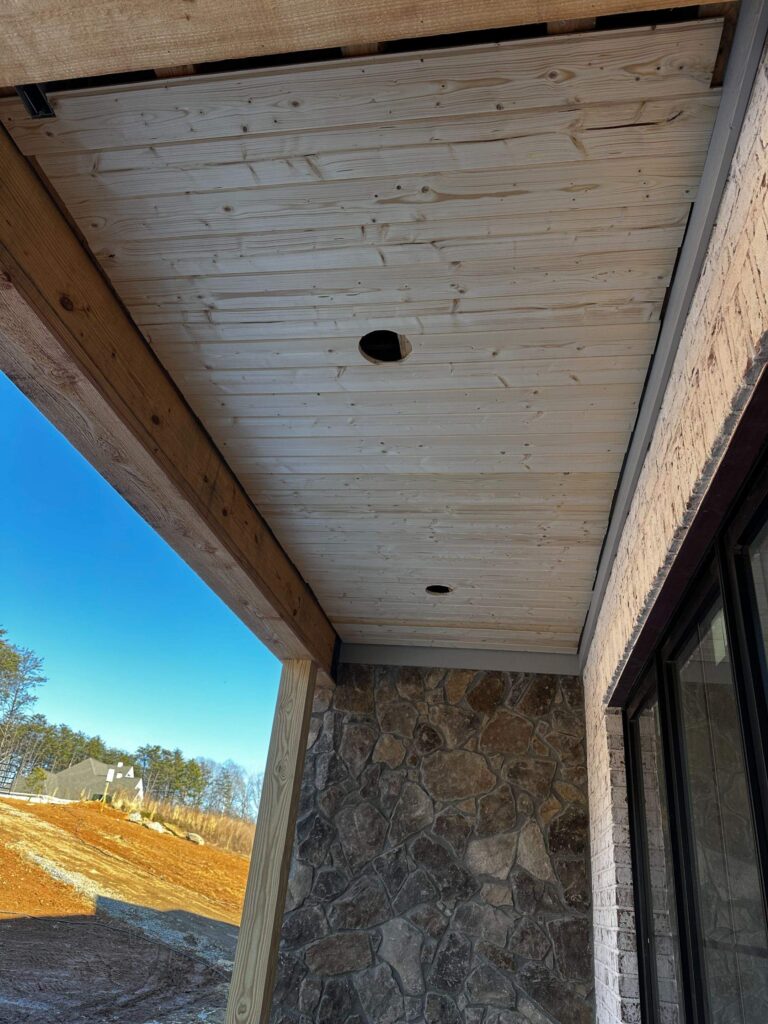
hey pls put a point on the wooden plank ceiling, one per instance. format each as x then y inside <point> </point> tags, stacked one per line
<point>514,210</point>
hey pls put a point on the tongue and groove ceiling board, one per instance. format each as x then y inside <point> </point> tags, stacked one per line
<point>514,210</point>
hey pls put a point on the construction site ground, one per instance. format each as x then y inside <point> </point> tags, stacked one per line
<point>103,920</point>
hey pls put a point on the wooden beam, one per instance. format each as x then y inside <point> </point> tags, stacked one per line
<point>67,342</point>
<point>51,40</point>
<point>253,980</point>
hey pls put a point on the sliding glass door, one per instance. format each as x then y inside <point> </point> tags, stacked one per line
<point>696,740</point>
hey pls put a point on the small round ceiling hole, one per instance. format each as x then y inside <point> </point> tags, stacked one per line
<point>385,347</point>
<point>438,588</point>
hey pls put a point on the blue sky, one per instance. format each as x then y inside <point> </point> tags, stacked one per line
<point>136,647</point>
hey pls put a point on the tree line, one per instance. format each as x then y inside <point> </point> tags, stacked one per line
<point>30,742</point>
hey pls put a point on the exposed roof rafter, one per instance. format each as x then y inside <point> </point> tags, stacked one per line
<point>48,40</point>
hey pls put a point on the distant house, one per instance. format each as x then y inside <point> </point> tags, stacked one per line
<point>91,779</point>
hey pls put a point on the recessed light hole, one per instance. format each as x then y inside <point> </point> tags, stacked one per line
<point>438,588</point>
<point>385,347</point>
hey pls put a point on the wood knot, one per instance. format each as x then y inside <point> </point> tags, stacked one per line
<point>66,303</point>
<point>155,419</point>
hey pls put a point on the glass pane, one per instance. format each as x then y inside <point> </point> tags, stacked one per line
<point>758,560</point>
<point>733,927</point>
<point>663,939</point>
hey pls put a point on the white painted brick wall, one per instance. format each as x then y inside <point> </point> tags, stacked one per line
<point>722,351</point>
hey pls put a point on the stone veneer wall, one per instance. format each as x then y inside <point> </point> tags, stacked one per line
<point>722,351</point>
<point>440,867</point>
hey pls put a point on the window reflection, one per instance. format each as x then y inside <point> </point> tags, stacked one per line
<point>733,932</point>
<point>663,938</point>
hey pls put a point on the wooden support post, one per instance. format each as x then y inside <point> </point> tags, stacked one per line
<point>250,995</point>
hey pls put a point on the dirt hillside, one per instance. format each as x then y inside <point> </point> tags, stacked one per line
<point>104,920</point>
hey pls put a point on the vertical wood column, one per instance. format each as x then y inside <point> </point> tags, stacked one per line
<point>253,980</point>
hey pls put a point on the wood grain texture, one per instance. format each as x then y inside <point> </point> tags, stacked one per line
<point>53,40</point>
<point>250,993</point>
<point>515,210</point>
<point>66,342</point>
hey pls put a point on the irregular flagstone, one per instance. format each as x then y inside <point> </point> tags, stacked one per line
<point>455,724</point>
<point>363,905</point>
<point>401,944</point>
<point>379,995</point>
<point>393,868</point>
<point>389,750</point>
<point>413,812</point>
<point>497,812</point>
<point>533,775</point>
<point>532,853</point>
<point>299,884</point>
<point>339,954</point>
<point>568,833</point>
<point>451,965</point>
<point>572,947</point>
<point>302,926</point>
<point>443,857</point>
<point>456,684</point>
<point>398,717</point>
<point>426,738</point>
<point>486,693</point>
<point>417,888</point>
<point>506,733</point>
<point>490,987</point>
<point>337,1001</point>
<point>357,742</point>
<point>559,1000</point>
<point>362,830</point>
<point>456,774</point>
<point>441,1009</point>
<point>538,697</point>
<point>453,827</point>
<point>494,856</point>
<point>527,939</point>
<point>481,922</point>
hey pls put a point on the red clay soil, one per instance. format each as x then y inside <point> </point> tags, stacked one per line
<point>28,891</point>
<point>68,958</point>
<point>215,875</point>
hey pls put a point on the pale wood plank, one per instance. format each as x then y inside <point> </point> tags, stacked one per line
<point>656,117</point>
<point>558,137</point>
<point>240,430</point>
<point>565,400</point>
<point>407,244</point>
<point>503,374</point>
<point>456,195</point>
<point>571,344</point>
<point>441,316</point>
<point>596,274</point>
<point>253,977</point>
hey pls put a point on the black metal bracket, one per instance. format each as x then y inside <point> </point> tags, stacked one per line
<point>35,100</point>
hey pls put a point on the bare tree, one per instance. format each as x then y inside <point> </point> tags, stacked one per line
<point>19,679</point>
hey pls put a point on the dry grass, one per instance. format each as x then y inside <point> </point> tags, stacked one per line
<point>216,829</point>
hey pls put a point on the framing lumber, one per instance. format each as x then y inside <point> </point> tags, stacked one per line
<point>68,343</point>
<point>250,994</point>
<point>49,40</point>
